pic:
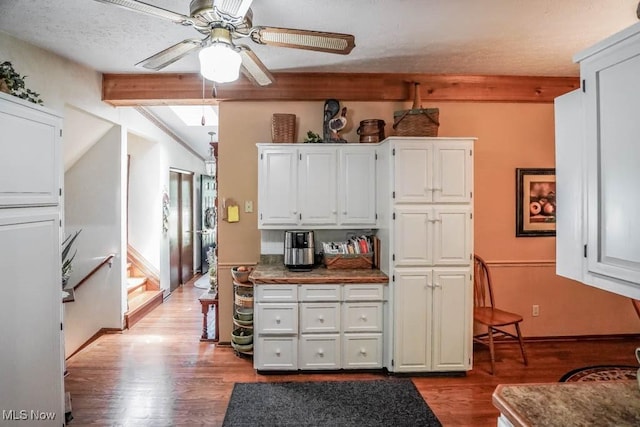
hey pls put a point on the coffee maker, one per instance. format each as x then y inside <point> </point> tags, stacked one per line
<point>299,247</point>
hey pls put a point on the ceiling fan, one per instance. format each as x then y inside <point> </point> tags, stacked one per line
<point>223,22</point>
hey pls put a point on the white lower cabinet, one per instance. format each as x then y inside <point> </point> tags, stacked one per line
<point>432,325</point>
<point>328,326</point>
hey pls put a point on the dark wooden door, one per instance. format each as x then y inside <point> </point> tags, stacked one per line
<point>180,228</point>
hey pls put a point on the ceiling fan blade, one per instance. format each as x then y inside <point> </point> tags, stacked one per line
<point>253,68</point>
<point>170,55</point>
<point>139,6</point>
<point>304,39</point>
<point>232,8</point>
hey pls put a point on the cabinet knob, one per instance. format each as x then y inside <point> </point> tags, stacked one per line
<point>363,351</point>
<point>363,317</point>
<point>277,352</point>
<point>277,319</point>
<point>321,318</point>
<point>320,352</point>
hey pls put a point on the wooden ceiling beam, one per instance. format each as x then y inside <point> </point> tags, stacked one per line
<point>165,89</point>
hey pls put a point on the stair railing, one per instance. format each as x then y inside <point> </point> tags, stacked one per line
<point>107,260</point>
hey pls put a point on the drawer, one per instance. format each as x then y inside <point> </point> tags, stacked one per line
<point>362,317</point>
<point>323,317</point>
<point>277,293</point>
<point>320,292</point>
<point>319,352</point>
<point>364,292</point>
<point>276,353</point>
<point>276,318</point>
<point>362,351</point>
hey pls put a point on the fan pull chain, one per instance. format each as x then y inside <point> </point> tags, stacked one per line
<point>203,122</point>
<point>214,91</point>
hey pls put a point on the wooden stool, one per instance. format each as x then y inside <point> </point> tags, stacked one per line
<point>207,299</point>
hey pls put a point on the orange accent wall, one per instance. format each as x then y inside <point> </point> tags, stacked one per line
<point>510,136</point>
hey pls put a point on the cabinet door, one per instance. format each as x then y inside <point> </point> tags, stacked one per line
<point>317,194</point>
<point>451,339</point>
<point>31,311</point>
<point>357,186</point>
<point>612,100</point>
<point>452,172</point>
<point>412,320</point>
<point>413,172</point>
<point>452,235</point>
<point>413,236</point>
<point>278,186</point>
<point>30,162</point>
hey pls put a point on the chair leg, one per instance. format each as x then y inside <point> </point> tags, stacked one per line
<point>524,354</point>
<point>491,351</point>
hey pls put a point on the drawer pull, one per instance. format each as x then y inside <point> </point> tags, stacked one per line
<point>277,352</point>
<point>278,319</point>
<point>363,352</point>
<point>321,318</point>
<point>321,352</point>
<point>363,317</point>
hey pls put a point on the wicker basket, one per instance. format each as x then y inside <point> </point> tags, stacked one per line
<point>244,301</point>
<point>417,121</point>
<point>283,128</point>
<point>348,261</point>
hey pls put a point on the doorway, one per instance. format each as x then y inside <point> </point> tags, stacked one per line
<point>181,228</point>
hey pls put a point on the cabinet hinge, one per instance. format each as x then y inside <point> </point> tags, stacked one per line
<point>584,85</point>
<point>60,133</point>
<point>376,216</point>
<point>393,277</point>
<point>393,152</point>
<point>260,215</point>
<point>393,257</point>
<point>391,362</point>
<point>393,195</point>
<point>470,215</point>
<point>60,223</point>
<point>300,216</point>
<point>300,156</point>
<point>471,194</point>
<point>585,251</point>
<point>394,215</point>
<point>261,156</point>
<point>61,327</point>
<point>470,152</point>
<point>60,191</point>
<point>376,156</point>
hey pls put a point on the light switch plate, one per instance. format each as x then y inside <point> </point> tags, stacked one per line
<point>248,206</point>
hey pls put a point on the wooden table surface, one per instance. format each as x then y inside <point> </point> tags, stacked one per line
<point>280,274</point>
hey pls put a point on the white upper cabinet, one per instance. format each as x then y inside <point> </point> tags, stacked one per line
<point>357,186</point>
<point>317,195</point>
<point>317,185</point>
<point>433,171</point>
<point>278,186</point>
<point>600,233</point>
<point>35,133</point>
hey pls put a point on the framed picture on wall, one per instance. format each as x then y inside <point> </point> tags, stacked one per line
<point>535,202</point>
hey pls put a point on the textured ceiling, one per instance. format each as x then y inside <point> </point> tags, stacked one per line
<point>490,37</point>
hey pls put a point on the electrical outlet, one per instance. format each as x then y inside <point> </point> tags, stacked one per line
<point>535,310</point>
<point>248,206</point>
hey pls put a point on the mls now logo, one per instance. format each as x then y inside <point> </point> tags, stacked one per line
<point>23,415</point>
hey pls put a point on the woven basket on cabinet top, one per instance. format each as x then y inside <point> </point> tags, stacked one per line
<point>283,128</point>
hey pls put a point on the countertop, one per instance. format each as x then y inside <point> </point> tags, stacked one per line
<point>277,273</point>
<point>597,403</point>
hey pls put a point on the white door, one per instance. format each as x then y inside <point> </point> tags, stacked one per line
<point>278,186</point>
<point>452,172</point>
<point>452,235</point>
<point>451,339</point>
<point>413,235</point>
<point>413,172</point>
<point>317,193</point>
<point>357,186</point>
<point>412,320</point>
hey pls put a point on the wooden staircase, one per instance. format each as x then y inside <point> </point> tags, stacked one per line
<point>143,295</point>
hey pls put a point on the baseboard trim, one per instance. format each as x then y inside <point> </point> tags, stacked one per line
<point>101,332</point>
<point>581,338</point>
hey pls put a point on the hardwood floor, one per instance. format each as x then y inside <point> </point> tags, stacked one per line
<point>159,374</point>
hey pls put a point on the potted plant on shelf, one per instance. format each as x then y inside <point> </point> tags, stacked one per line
<point>13,83</point>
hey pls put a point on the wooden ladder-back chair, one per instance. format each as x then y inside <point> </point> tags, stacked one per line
<point>487,315</point>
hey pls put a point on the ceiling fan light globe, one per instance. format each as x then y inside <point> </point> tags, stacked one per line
<point>220,63</point>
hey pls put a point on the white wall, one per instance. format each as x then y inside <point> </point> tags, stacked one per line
<point>73,89</point>
<point>94,204</point>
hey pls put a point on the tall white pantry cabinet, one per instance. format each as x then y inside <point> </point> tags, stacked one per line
<point>431,253</point>
<point>31,360</point>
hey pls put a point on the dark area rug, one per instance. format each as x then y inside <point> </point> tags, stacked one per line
<point>393,402</point>
<point>601,373</point>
